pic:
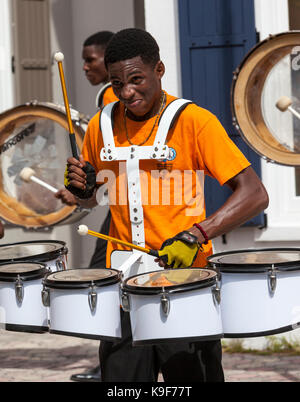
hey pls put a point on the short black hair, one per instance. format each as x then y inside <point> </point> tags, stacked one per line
<point>99,38</point>
<point>132,42</point>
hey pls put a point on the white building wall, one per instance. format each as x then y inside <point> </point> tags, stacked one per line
<point>6,77</point>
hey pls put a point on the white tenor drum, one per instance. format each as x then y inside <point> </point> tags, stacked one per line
<point>53,253</point>
<point>173,305</point>
<point>35,135</point>
<point>259,291</point>
<point>84,303</point>
<point>21,307</point>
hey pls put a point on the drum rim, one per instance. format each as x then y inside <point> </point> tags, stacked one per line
<point>252,268</point>
<point>84,284</point>
<point>23,276</point>
<point>43,257</point>
<point>180,288</point>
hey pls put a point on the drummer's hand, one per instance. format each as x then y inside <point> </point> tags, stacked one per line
<point>179,252</point>
<point>74,174</point>
<point>66,197</point>
<point>80,178</point>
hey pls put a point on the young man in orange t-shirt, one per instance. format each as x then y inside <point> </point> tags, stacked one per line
<point>197,143</point>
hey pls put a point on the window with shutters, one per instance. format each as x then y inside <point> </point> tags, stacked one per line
<point>31,60</point>
<point>215,35</point>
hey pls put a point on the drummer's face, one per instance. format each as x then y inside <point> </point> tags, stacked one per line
<point>137,85</point>
<point>93,65</point>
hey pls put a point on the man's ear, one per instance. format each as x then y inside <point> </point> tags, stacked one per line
<point>160,69</point>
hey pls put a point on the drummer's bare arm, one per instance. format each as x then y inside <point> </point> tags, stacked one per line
<point>66,197</point>
<point>249,198</point>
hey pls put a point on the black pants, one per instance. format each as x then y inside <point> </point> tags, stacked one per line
<point>178,362</point>
<point>99,257</point>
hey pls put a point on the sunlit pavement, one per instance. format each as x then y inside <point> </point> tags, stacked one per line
<point>46,357</point>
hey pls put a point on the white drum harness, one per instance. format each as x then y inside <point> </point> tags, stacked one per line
<point>133,154</point>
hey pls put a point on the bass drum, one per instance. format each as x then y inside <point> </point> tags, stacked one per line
<point>265,97</point>
<point>35,135</point>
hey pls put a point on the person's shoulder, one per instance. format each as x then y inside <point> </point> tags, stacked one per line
<point>193,112</point>
<point>94,121</point>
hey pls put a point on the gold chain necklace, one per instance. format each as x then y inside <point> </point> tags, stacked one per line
<point>162,104</point>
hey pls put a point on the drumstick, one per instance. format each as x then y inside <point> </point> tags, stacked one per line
<point>83,230</point>
<point>59,57</point>
<point>284,103</point>
<point>27,174</point>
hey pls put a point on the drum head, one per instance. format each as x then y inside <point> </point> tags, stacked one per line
<point>32,251</point>
<point>83,278</point>
<point>34,136</point>
<point>172,280</point>
<point>263,86</point>
<point>257,260</point>
<point>23,270</point>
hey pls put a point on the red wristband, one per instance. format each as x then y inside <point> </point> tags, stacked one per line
<point>202,231</point>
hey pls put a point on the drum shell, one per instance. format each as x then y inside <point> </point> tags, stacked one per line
<point>194,316</point>
<point>249,308</point>
<point>28,316</point>
<point>56,259</point>
<point>70,313</point>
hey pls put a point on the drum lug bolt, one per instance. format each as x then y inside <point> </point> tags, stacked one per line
<point>46,297</point>
<point>216,292</point>
<point>92,298</point>
<point>60,265</point>
<point>272,280</point>
<point>125,302</point>
<point>165,303</point>
<point>19,289</point>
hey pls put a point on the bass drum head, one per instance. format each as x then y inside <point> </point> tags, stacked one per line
<point>32,251</point>
<point>257,260</point>
<point>22,270</point>
<point>263,86</point>
<point>172,280</point>
<point>35,135</point>
<point>82,278</point>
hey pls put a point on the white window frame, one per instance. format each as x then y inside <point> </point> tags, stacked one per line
<point>6,75</point>
<point>283,213</point>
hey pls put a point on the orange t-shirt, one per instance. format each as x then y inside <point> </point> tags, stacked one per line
<point>199,145</point>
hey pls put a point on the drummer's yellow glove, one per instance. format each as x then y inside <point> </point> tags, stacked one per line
<point>180,251</point>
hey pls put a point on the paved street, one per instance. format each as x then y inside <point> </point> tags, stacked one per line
<point>54,358</point>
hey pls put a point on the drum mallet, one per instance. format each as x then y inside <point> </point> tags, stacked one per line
<point>83,230</point>
<point>27,174</point>
<point>59,57</point>
<point>284,103</point>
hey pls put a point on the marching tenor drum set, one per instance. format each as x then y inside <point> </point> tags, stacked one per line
<point>242,293</point>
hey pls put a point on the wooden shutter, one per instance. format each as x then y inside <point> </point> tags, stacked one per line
<point>215,36</point>
<point>32,59</point>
